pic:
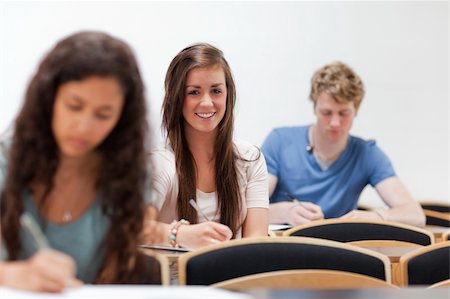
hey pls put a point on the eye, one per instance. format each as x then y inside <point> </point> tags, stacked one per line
<point>216,91</point>
<point>102,116</point>
<point>326,113</point>
<point>344,113</point>
<point>193,92</point>
<point>73,106</point>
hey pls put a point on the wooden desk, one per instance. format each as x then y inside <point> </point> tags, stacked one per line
<point>437,231</point>
<point>393,253</point>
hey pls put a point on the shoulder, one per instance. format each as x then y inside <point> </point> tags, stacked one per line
<point>289,131</point>
<point>162,153</point>
<point>247,151</point>
<point>361,144</point>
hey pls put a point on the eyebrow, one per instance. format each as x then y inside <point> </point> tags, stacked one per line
<point>197,86</point>
<point>80,99</point>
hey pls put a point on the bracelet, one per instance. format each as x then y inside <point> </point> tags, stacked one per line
<point>173,231</point>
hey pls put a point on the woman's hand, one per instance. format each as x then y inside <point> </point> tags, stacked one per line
<point>202,234</point>
<point>46,271</point>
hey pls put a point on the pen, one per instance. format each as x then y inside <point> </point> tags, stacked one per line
<point>28,222</point>
<point>197,208</point>
<point>293,199</point>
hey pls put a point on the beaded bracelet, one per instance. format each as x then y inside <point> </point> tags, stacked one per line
<point>173,231</point>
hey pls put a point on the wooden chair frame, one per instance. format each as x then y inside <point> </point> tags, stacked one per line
<point>185,258</point>
<point>163,264</point>
<point>438,206</point>
<point>405,259</point>
<point>385,242</point>
<point>312,279</point>
<point>437,218</point>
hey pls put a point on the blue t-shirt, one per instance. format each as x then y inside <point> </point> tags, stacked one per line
<point>335,189</point>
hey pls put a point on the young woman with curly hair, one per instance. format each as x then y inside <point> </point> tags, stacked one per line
<point>76,164</point>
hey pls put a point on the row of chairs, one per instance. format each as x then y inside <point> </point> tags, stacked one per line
<point>320,254</point>
<point>308,262</point>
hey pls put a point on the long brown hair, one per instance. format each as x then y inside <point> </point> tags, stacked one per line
<point>33,156</point>
<point>229,199</point>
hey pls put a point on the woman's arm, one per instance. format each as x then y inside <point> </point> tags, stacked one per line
<point>256,223</point>
<point>189,236</point>
<point>46,271</point>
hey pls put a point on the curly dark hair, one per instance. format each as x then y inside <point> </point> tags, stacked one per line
<point>34,156</point>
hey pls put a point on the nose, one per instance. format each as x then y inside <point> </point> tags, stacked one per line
<point>206,100</point>
<point>335,120</point>
<point>84,123</point>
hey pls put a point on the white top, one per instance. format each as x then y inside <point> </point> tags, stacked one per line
<point>253,184</point>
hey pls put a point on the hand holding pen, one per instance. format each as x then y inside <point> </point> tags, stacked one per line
<point>46,271</point>
<point>302,211</point>
<point>204,233</point>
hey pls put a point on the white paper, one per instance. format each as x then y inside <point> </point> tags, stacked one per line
<point>274,227</point>
<point>129,292</point>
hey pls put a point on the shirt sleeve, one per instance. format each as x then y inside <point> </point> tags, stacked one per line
<point>163,171</point>
<point>257,192</point>
<point>270,149</point>
<point>380,166</point>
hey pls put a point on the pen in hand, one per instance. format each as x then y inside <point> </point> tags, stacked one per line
<point>197,208</point>
<point>295,200</point>
<point>28,222</point>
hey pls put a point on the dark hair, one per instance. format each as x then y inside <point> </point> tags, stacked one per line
<point>34,157</point>
<point>229,199</point>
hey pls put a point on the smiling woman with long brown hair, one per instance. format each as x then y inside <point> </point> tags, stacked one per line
<point>76,164</point>
<point>202,164</point>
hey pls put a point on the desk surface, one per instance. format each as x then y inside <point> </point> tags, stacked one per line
<point>198,292</point>
<point>388,293</point>
<point>393,253</point>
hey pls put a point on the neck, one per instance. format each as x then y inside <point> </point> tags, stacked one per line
<point>201,145</point>
<point>324,149</point>
<point>70,167</point>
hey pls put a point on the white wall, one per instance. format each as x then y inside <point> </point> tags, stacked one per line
<point>400,49</point>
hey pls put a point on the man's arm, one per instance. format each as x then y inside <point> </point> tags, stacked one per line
<point>402,206</point>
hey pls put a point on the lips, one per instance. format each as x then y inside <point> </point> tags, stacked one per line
<point>78,143</point>
<point>205,115</point>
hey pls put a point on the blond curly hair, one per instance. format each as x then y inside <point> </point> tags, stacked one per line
<point>339,81</point>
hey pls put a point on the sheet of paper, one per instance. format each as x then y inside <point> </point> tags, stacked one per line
<point>274,227</point>
<point>169,248</point>
<point>129,292</point>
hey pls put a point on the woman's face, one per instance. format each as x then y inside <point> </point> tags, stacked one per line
<point>85,112</point>
<point>205,99</point>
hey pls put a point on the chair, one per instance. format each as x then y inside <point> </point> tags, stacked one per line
<point>437,218</point>
<point>159,266</point>
<point>441,284</point>
<point>312,279</point>
<point>364,231</point>
<point>446,236</point>
<point>249,256</point>
<point>426,265</point>
<point>437,206</point>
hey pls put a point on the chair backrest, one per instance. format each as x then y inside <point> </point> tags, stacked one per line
<point>426,265</point>
<point>311,279</point>
<point>437,218</point>
<point>437,206</point>
<point>351,230</point>
<point>237,258</point>
<point>441,284</point>
<point>159,266</point>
